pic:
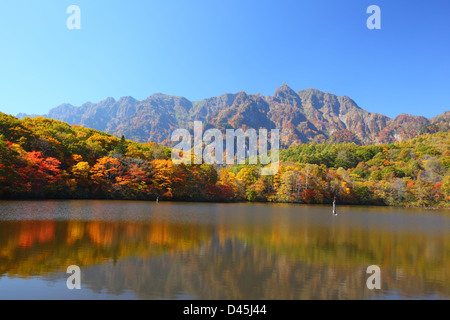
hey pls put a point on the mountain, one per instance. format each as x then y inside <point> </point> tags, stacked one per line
<point>306,115</point>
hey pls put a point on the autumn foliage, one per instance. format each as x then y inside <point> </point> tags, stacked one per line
<point>44,158</point>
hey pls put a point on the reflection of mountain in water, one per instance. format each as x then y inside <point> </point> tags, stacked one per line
<point>163,259</point>
<point>237,271</point>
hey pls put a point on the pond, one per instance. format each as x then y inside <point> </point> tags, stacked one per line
<point>170,250</point>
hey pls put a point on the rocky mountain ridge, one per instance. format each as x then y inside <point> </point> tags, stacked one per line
<point>303,116</point>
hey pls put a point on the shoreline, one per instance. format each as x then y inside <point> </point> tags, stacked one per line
<point>223,202</point>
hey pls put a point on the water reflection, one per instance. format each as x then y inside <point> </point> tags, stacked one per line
<point>210,251</point>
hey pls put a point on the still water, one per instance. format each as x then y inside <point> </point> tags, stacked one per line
<point>143,250</point>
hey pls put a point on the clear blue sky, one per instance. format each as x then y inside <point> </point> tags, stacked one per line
<point>204,48</point>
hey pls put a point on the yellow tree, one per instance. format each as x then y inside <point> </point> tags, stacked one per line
<point>162,178</point>
<point>80,173</point>
<point>105,173</point>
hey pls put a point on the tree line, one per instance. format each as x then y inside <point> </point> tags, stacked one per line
<point>44,158</point>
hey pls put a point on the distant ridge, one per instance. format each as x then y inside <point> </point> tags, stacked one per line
<point>303,116</point>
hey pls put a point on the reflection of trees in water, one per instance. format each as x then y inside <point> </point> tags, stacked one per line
<point>228,261</point>
<point>234,270</point>
<point>30,248</point>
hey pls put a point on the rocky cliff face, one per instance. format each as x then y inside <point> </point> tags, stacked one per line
<point>307,115</point>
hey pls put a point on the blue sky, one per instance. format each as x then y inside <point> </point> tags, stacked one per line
<point>204,48</point>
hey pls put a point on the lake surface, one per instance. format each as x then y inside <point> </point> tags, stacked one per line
<point>144,250</point>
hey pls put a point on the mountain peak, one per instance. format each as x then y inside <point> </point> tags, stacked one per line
<point>284,90</point>
<point>404,117</point>
<point>106,102</point>
<point>242,94</point>
<point>129,99</point>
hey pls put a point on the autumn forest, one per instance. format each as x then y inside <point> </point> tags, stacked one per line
<point>48,159</point>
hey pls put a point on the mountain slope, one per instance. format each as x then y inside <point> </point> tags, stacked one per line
<point>306,115</point>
